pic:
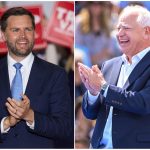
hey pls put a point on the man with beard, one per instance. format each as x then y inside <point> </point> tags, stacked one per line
<point>33,103</point>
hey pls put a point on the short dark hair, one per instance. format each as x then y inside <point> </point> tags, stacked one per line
<point>15,11</point>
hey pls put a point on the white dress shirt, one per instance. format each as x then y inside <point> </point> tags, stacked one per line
<point>126,70</point>
<point>25,71</point>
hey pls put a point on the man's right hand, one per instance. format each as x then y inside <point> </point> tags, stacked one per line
<point>9,122</point>
<point>87,75</point>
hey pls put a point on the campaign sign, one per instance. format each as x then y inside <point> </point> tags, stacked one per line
<point>60,27</point>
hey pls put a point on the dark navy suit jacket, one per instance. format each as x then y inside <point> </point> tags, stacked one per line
<point>48,91</point>
<point>131,113</point>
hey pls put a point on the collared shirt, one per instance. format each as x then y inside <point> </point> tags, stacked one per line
<point>126,70</point>
<point>25,71</point>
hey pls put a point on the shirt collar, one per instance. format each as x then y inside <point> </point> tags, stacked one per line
<point>25,62</point>
<point>136,58</point>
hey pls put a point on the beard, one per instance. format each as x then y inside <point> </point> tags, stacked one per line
<point>18,52</point>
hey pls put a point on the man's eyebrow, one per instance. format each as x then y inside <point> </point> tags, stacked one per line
<point>123,25</point>
<point>19,27</point>
<point>14,28</point>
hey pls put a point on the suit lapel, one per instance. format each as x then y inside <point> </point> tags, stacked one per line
<point>35,78</point>
<point>138,70</point>
<point>115,71</point>
<point>4,78</point>
<point>113,77</point>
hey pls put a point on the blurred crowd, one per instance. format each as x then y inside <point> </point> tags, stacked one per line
<point>95,42</point>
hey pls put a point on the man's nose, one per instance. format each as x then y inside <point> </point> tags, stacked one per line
<point>120,32</point>
<point>22,33</point>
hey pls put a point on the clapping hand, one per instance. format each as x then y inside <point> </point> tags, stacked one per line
<point>20,109</point>
<point>91,77</point>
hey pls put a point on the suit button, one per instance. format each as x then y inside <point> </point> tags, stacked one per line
<point>16,135</point>
<point>115,114</point>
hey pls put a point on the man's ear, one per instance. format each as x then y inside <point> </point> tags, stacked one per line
<point>146,32</point>
<point>2,36</point>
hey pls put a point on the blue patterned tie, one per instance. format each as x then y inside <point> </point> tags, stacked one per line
<point>17,87</point>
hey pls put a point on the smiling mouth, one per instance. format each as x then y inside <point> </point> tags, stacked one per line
<point>22,42</point>
<point>123,42</point>
<point>22,45</point>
